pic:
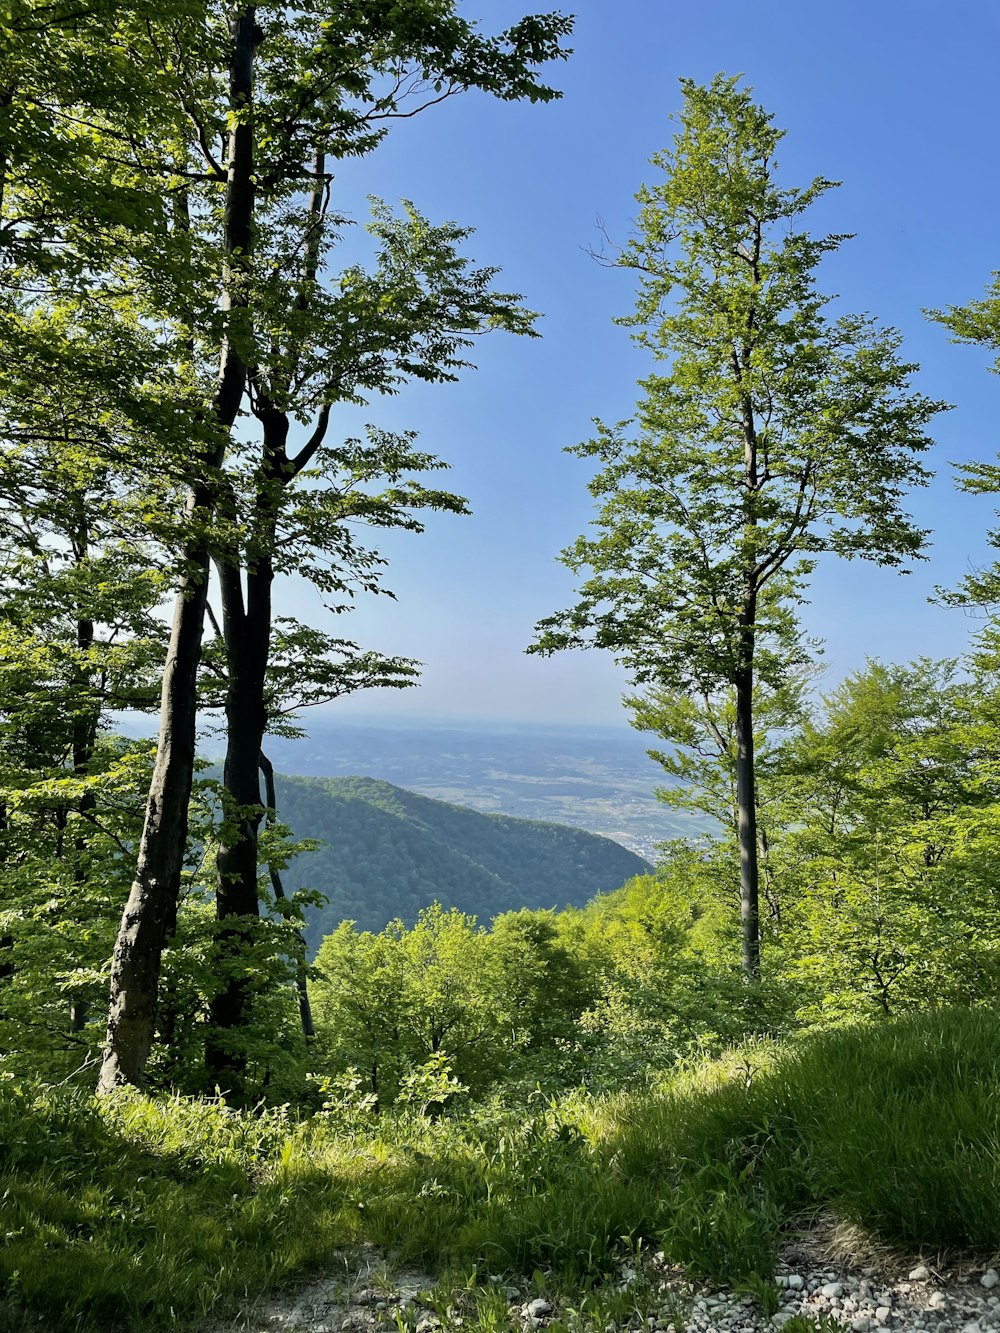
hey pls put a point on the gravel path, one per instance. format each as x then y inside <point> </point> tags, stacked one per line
<point>369,1297</point>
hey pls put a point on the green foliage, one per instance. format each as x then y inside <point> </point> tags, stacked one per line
<point>773,434</point>
<point>768,434</point>
<point>881,846</point>
<point>388,853</point>
<point>143,1213</point>
<point>447,1007</point>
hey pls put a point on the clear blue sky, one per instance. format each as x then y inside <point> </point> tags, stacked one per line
<point>896,98</point>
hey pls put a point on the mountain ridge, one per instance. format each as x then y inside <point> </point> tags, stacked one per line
<point>388,852</point>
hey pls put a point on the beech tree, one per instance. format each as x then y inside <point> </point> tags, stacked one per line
<point>770,433</point>
<point>884,841</point>
<point>978,323</point>
<point>273,99</point>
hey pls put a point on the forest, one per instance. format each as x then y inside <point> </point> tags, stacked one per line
<point>678,1081</point>
<point>385,853</point>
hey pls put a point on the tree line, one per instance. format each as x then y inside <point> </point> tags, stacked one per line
<point>178,337</point>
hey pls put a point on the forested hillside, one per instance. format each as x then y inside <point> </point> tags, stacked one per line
<point>388,853</point>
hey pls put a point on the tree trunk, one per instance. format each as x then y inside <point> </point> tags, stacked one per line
<point>135,968</point>
<point>746,826</point>
<point>152,903</point>
<point>6,941</point>
<point>85,725</point>
<point>236,893</point>
<point>301,985</point>
<point>246,629</point>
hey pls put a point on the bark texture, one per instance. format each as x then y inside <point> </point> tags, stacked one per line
<point>152,903</point>
<point>301,967</point>
<point>746,827</point>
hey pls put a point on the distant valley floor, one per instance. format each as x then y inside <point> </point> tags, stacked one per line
<point>601,781</point>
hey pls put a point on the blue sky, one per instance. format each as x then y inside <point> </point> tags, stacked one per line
<point>895,98</point>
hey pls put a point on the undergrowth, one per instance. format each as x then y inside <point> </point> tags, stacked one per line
<point>144,1214</point>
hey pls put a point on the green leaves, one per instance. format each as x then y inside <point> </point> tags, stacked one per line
<point>767,434</point>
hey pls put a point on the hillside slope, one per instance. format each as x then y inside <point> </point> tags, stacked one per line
<point>388,852</point>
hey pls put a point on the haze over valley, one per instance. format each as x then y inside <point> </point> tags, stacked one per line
<point>598,779</point>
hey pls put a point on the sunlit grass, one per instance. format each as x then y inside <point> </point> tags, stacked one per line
<point>140,1213</point>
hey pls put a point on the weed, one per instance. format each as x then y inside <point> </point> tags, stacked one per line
<point>764,1292</point>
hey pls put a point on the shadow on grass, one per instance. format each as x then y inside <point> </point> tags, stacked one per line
<point>145,1214</point>
<point>130,1218</point>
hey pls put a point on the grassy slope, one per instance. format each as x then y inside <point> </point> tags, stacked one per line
<point>389,852</point>
<point>140,1213</point>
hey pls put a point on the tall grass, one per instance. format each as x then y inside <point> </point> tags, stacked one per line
<point>142,1214</point>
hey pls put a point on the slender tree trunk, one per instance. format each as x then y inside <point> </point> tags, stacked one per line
<point>152,903</point>
<point>236,893</point>
<point>151,906</point>
<point>85,723</point>
<point>764,854</point>
<point>246,629</point>
<point>6,941</point>
<point>746,826</point>
<point>301,984</point>
<point>6,100</point>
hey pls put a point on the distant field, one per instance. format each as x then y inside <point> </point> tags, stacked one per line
<point>601,781</point>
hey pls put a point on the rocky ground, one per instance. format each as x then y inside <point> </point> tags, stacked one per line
<point>367,1296</point>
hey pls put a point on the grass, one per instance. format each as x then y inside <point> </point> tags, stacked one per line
<point>142,1214</point>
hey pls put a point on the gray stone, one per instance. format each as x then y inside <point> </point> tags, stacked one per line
<point>883,1314</point>
<point>860,1324</point>
<point>920,1274</point>
<point>795,1282</point>
<point>989,1279</point>
<point>938,1300</point>
<point>832,1290</point>
<point>538,1308</point>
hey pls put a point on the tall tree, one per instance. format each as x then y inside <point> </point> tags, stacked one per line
<point>774,434</point>
<point>273,99</point>
<point>413,315</point>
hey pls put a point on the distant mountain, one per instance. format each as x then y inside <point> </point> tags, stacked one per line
<point>388,852</point>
